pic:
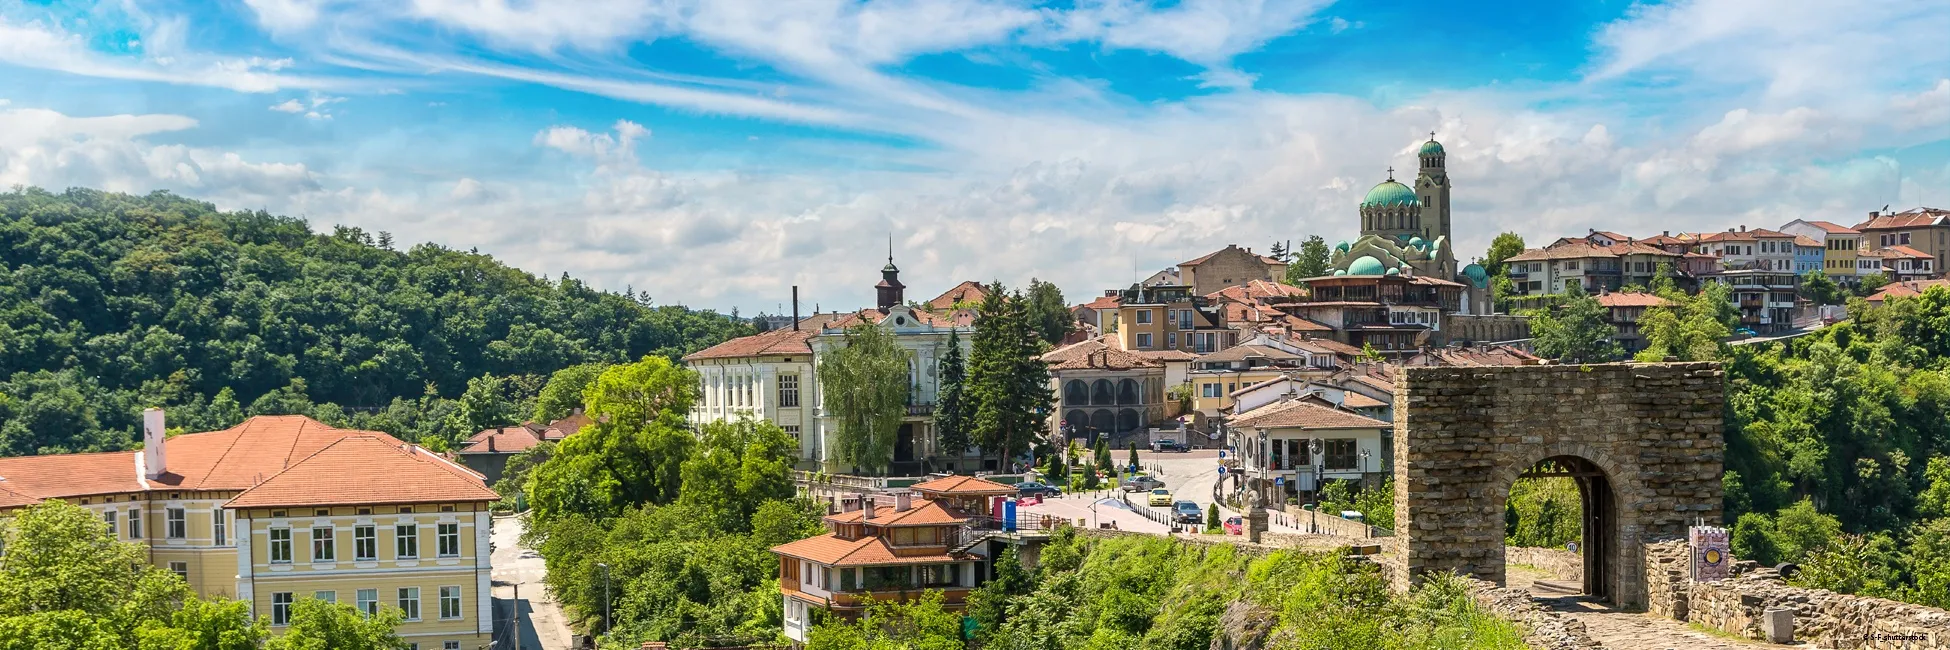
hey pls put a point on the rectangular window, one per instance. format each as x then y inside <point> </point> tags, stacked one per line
<point>1340,454</point>
<point>1144,317</point>
<point>1171,339</point>
<point>1185,319</point>
<point>449,602</point>
<point>409,602</point>
<point>281,608</point>
<point>793,430</point>
<point>368,602</point>
<point>175,523</point>
<point>219,529</point>
<point>109,518</point>
<point>1903,239</point>
<point>365,543</point>
<point>181,569</point>
<point>406,541</point>
<point>325,596</point>
<point>788,390</point>
<point>1144,340</point>
<point>451,645</point>
<point>449,540</point>
<point>323,546</point>
<point>280,545</point>
<point>1212,389</point>
<point>135,523</point>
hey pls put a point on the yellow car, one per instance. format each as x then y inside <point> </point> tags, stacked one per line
<point>1160,497</point>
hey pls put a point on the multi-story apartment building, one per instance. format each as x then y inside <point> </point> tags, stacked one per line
<point>280,508</point>
<point>773,376</point>
<point>1808,255</point>
<point>1231,266</point>
<point>1216,378</point>
<point>896,546</point>
<point>1594,266</point>
<point>1741,248</point>
<point>1838,246</point>
<point>1106,391</point>
<point>1923,229</point>
<point>1766,299</point>
<point>1171,317</point>
<point>1369,306</point>
<point>1274,440</point>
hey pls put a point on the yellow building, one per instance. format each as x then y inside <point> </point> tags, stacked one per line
<point>196,500</point>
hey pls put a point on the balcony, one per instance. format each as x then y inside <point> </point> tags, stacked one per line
<point>920,410</point>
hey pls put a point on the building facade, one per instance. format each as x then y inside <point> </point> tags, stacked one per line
<point>1838,246</point>
<point>1277,444</point>
<point>1106,392</point>
<point>1231,266</point>
<point>1923,229</point>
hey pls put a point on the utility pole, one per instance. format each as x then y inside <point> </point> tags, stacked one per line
<point>605,568</point>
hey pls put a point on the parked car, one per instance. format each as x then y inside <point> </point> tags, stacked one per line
<point>1235,525</point>
<point>1034,489</point>
<point>1187,512</point>
<point>1160,497</point>
<point>1141,484</point>
<point>1167,445</point>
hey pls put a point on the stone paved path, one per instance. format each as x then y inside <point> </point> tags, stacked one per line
<point>1628,631</point>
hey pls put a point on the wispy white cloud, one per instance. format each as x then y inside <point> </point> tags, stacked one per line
<point>289,106</point>
<point>36,44</point>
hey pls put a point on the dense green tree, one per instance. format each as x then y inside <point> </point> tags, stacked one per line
<point>1311,262</point>
<point>632,454</point>
<point>921,624</point>
<point>953,414</point>
<point>1503,247</point>
<point>1818,287</point>
<point>1690,328</point>
<point>319,625</point>
<point>562,395</point>
<point>1048,313</point>
<point>204,625</point>
<point>1868,284</point>
<point>1008,382</point>
<point>110,303</point>
<point>735,467</point>
<point>1576,331</point>
<point>515,474</point>
<point>867,390</point>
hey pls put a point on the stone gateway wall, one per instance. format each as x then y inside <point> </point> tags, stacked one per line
<point>1559,563</point>
<point>1738,606</point>
<point>1463,435</point>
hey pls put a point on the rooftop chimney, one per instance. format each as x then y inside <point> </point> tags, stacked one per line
<point>795,308</point>
<point>903,501</point>
<point>152,443</point>
<point>866,508</point>
<point>1667,233</point>
<point>1743,227</point>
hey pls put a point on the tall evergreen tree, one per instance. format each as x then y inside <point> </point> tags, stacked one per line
<point>1048,313</point>
<point>1008,383</point>
<point>953,412</point>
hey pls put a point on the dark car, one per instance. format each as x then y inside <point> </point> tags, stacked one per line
<point>1141,484</point>
<point>1186,512</point>
<point>1168,446</point>
<point>1034,489</point>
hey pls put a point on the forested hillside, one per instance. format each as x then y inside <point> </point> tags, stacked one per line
<point>110,303</point>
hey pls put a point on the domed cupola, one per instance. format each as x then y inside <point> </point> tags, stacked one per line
<point>1431,154</point>
<point>1391,208</point>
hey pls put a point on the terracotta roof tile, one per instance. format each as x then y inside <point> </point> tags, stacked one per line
<point>364,469</point>
<point>12,499</point>
<point>1303,414</point>
<point>962,486</point>
<point>1166,356</point>
<point>1243,352</point>
<point>921,512</point>
<point>1355,400</point>
<point>504,440</point>
<point>1899,252</point>
<point>1905,289</point>
<point>72,475</point>
<point>1093,354</point>
<point>1833,228</point>
<point>969,291</point>
<point>775,342</point>
<point>1104,302</point>
<point>1630,299</point>
<point>1913,218</point>
<point>568,426</point>
<point>830,550</point>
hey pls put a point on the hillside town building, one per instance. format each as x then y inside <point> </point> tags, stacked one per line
<point>280,508</point>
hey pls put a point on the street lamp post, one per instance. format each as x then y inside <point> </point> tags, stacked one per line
<point>605,569</point>
<point>1364,466</point>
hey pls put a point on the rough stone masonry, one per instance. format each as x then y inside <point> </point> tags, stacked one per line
<point>1463,435</point>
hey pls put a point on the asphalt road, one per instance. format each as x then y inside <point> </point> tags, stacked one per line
<point>518,574</point>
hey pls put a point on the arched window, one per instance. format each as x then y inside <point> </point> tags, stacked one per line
<point>1102,420</point>
<point>1101,393</point>
<point>1076,393</point>
<point>1076,419</point>
<point>1127,419</point>
<point>1127,392</point>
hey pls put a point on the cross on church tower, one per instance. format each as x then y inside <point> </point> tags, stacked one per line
<point>1391,172</point>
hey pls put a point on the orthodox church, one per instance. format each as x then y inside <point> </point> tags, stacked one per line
<point>1406,231</point>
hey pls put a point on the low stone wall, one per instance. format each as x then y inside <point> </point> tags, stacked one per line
<point>1543,629</point>
<point>1831,620</point>
<point>1559,563</point>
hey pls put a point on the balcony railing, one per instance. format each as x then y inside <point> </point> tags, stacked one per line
<point>920,409</point>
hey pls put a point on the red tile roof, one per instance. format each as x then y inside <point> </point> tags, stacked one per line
<point>12,499</point>
<point>1744,235</point>
<point>1630,299</point>
<point>1905,289</point>
<point>776,342</point>
<point>360,469</point>
<point>504,440</point>
<point>1899,252</point>
<point>1303,414</point>
<point>1164,356</point>
<point>1804,240</point>
<point>566,427</point>
<point>1355,400</point>
<point>1104,302</point>
<point>962,486</point>
<point>830,550</point>
<point>968,292</point>
<point>1665,240</point>
<point>920,512</point>
<point>1094,354</point>
<point>1914,218</point>
<point>1833,228</point>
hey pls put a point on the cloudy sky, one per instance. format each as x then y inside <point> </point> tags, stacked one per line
<point>715,152</point>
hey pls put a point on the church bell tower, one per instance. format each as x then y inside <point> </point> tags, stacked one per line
<point>1432,187</point>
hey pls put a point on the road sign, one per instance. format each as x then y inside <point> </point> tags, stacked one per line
<point>1222,453</point>
<point>1279,480</point>
<point>1222,470</point>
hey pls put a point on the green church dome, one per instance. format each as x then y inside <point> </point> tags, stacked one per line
<point>1365,265</point>
<point>1390,193</point>
<point>1393,272</point>
<point>1431,147</point>
<point>1417,242</point>
<point>1340,272</point>
<point>1477,275</point>
<point>1342,247</point>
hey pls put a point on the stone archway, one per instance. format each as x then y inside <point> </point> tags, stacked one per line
<point>1651,432</point>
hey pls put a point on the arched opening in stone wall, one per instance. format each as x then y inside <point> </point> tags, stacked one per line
<point>1541,511</point>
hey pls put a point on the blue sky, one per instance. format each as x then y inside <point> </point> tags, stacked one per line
<point>716,152</point>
